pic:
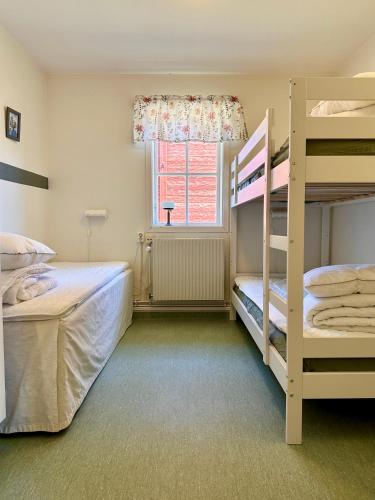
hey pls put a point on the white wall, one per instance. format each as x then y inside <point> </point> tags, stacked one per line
<point>250,227</point>
<point>362,60</point>
<point>23,209</point>
<point>81,124</point>
<point>86,137</point>
<point>23,87</point>
<point>94,164</point>
<point>353,234</point>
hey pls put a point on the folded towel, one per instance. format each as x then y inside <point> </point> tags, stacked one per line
<point>30,288</point>
<point>11,294</point>
<point>25,283</point>
<point>350,312</point>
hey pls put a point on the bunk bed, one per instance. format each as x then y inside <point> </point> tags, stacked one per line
<point>326,160</point>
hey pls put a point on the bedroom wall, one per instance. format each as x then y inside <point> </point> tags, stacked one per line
<point>94,164</point>
<point>353,230</point>
<point>362,60</point>
<point>23,87</point>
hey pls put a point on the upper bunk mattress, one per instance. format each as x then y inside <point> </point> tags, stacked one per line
<point>319,147</point>
<point>329,147</point>
<point>326,147</point>
<point>249,289</point>
<point>76,282</point>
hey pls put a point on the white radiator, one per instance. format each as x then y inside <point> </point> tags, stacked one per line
<point>188,269</point>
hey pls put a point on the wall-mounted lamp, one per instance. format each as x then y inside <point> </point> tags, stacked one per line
<point>96,213</point>
<point>168,206</point>
<point>93,216</point>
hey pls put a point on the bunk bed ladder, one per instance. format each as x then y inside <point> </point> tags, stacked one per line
<point>266,235</point>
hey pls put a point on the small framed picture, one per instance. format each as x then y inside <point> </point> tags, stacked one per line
<point>13,124</point>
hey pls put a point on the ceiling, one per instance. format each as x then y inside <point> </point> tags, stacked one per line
<point>213,36</point>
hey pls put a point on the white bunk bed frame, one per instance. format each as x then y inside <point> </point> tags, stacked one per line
<point>327,179</point>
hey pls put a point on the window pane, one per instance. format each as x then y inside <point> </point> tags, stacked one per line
<point>202,157</point>
<point>202,199</point>
<point>172,188</point>
<point>171,157</point>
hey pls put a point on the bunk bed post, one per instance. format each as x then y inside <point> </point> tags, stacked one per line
<point>233,235</point>
<point>326,236</point>
<point>266,235</point>
<point>233,257</point>
<point>295,259</point>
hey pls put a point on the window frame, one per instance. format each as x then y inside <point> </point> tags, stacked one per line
<point>220,190</point>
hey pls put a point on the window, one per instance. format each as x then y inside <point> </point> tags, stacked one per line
<point>189,175</point>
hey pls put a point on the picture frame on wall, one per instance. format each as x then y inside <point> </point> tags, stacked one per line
<point>12,124</point>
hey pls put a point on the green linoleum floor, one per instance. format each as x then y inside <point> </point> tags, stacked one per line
<point>185,409</point>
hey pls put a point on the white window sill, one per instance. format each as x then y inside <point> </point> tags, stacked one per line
<point>187,229</point>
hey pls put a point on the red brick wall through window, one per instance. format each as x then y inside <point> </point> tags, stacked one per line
<point>190,181</point>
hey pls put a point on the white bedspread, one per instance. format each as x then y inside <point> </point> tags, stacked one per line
<point>77,281</point>
<point>54,354</point>
<point>252,287</point>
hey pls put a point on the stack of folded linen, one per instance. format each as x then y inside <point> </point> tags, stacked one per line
<point>23,268</point>
<point>341,297</point>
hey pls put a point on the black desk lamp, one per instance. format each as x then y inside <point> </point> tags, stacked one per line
<point>168,206</point>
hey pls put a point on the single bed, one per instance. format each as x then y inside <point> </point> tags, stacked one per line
<point>249,289</point>
<point>57,344</point>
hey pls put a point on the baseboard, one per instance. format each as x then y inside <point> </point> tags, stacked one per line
<point>149,311</point>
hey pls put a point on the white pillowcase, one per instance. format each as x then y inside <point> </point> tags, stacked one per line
<point>334,281</point>
<point>17,251</point>
<point>327,108</point>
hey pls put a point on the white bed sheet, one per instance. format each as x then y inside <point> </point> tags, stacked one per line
<point>50,364</point>
<point>356,113</point>
<point>76,281</point>
<point>252,287</point>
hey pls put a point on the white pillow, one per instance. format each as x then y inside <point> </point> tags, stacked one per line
<point>368,74</point>
<point>334,281</point>
<point>17,251</point>
<point>327,108</point>
<point>333,289</point>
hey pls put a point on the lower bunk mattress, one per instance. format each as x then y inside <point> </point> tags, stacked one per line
<point>249,289</point>
<point>56,344</point>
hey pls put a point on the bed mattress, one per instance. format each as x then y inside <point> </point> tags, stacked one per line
<point>77,281</point>
<point>326,147</point>
<point>57,344</point>
<point>319,147</point>
<point>249,290</point>
<point>329,147</point>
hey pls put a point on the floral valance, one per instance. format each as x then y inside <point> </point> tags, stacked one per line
<point>188,118</point>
